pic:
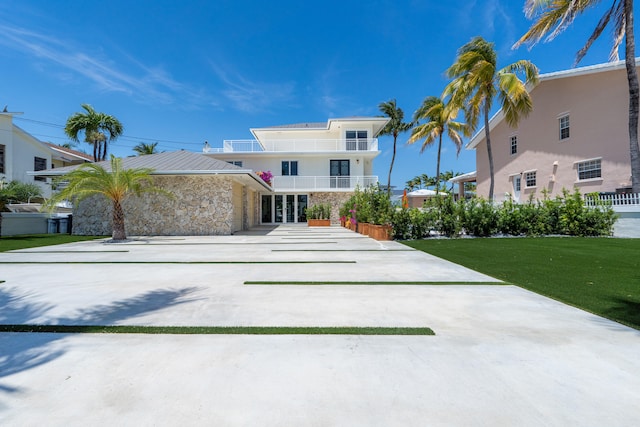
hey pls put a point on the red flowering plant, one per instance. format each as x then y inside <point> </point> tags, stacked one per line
<point>266,176</point>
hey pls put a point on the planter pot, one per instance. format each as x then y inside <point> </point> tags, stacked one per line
<point>380,232</point>
<point>363,228</point>
<point>318,222</point>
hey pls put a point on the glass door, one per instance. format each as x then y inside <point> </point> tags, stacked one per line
<point>279,208</point>
<point>339,173</point>
<point>291,208</point>
<point>302,205</point>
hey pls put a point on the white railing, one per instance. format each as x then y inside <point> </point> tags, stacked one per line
<point>322,183</point>
<point>298,145</point>
<point>625,199</point>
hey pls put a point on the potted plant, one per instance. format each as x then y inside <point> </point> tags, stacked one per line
<point>319,215</point>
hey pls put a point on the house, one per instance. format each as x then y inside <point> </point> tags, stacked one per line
<point>62,156</point>
<point>311,163</point>
<point>575,137</point>
<point>210,197</point>
<point>21,152</point>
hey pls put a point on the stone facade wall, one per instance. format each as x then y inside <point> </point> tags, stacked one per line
<point>336,200</point>
<point>202,205</point>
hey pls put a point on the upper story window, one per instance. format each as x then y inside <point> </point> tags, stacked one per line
<point>589,169</point>
<point>564,127</point>
<point>39,164</point>
<point>2,158</point>
<point>236,162</point>
<point>514,144</point>
<point>356,140</point>
<point>290,168</point>
<point>529,179</point>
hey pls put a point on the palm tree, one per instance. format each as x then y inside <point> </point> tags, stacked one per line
<point>555,16</point>
<point>395,127</point>
<point>439,119</point>
<point>413,183</point>
<point>477,80</point>
<point>116,184</point>
<point>95,126</point>
<point>142,148</point>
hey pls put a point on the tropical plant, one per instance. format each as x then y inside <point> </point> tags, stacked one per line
<point>143,148</point>
<point>114,183</point>
<point>413,183</point>
<point>554,16</point>
<point>395,127</point>
<point>319,211</point>
<point>477,81</point>
<point>440,119</point>
<point>99,129</point>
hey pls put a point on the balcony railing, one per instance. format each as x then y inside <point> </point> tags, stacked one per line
<point>322,183</point>
<point>620,202</point>
<point>296,145</point>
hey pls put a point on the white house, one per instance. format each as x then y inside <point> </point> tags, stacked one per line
<point>20,153</point>
<point>311,163</point>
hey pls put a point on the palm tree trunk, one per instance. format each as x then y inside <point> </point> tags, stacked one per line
<point>489,152</point>
<point>104,150</point>
<point>393,158</point>
<point>634,91</point>
<point>96,153</point>
<point>118,222</point>
<point>438,165</point>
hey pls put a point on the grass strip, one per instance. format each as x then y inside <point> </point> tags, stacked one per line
<point>12,243</point>
<point>599,275</point>
<point>217,330</point>
<point>381,283</point>
<point>65,252</point>
<point>233,243</point>
<point>343,250</point>
<point>177,262</point>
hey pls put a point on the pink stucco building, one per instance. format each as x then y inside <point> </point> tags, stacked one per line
<point>575,137</point>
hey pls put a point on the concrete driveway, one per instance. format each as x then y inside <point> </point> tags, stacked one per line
<point>501,355</point>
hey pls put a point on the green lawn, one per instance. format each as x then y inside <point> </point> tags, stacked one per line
<point>10,243</point>
<point>600,275</point>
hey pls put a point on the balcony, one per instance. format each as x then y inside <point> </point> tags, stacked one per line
<point>322,183</point>
<point>296,145</point>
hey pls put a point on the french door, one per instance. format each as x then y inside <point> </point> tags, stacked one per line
<point>339,171</point>
<point>283,208</point>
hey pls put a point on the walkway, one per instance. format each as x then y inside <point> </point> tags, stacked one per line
<point>501,355</point>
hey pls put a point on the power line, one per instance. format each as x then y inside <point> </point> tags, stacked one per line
<point>125,137</point>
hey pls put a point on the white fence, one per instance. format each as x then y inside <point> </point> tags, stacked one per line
<point>630,200</point>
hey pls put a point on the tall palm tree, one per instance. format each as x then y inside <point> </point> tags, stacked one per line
<point>477,81</point>
<point>439,120</point>
<point>116,184</point>
<point>142,148</point>
<point>395,127</point>
<point>99,129</point>
<point>553,17</point>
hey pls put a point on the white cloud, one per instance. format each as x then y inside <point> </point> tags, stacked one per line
<point>146,84</point>
<point>251,96</point>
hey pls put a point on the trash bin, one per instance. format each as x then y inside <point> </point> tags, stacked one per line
<point>52,225</point>
<point>63,225</point>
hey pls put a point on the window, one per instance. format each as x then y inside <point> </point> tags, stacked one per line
<point>290,167</point>
<point>39,164</point>
<point>236,163</point>
<point>2,159</point>
<point>356,140</point>
<point>514,144</point>
<point>530,179</point>
<point>564,127</point>
<point>590,169</point>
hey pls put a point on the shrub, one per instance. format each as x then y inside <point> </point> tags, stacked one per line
<point>319,211</point>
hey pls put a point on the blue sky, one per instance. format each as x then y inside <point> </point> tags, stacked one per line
<point>182,72</point>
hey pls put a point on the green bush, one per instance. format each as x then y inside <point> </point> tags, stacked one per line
<point>319,211</point>
<point>479,217</point>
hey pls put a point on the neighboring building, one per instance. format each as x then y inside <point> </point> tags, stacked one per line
<point>311,163</point>
<point>575,137</point>
<point>21,152</point>
<point>62,156</point>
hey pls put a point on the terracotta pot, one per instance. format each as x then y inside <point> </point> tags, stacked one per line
<point>380,232</point>
<point>363,228</point>
<point>318,222</point>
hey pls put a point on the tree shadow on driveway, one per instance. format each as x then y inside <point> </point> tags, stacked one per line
<point>23,351</point>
